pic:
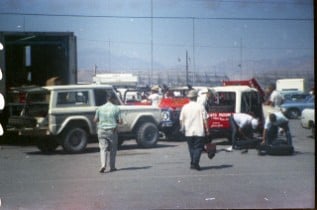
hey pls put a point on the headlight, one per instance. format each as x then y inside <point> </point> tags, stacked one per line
<point>283,109</point>
<point>165,115</point>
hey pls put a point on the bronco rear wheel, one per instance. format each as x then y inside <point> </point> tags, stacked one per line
<point>74,139</point>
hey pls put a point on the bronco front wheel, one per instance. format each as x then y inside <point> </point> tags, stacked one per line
<point>147,135</point>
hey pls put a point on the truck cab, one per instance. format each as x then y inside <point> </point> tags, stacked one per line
<point>227,100</point>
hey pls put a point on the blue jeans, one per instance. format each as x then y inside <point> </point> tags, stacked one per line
<point>195,148</point>
<point>108,141</point>
<point>234,130</point>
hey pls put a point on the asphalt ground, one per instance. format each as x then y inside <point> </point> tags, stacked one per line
<point>158,178</point>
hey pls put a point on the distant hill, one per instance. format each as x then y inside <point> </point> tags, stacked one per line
<point>264,70</point>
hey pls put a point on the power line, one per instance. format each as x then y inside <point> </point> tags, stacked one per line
<point>279,2</point>
<point>197,45</point>
<point>160,17</point>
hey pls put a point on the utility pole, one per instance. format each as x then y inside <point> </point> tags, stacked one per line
<point>193,56</point>
<point>95,70</point>
<point>151,73</point>
<point>109,42</point>
<point>241,58</point>
<point>187,82</point>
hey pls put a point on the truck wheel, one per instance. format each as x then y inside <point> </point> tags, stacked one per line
<point>147,135</point>
<point>22,121</point>
<point>74,140</point>
<point>47,145</point>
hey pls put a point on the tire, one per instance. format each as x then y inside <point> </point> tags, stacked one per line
<point>74,140</point>
<point>147,135</point>
<point>22,121</point>
<point>47,145</point>
<point>293,113</point>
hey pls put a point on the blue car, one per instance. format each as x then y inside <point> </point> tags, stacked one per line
<point>293,109</point>
<point>294,96</point>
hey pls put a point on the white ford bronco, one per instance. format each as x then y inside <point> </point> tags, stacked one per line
<point>63,115</point>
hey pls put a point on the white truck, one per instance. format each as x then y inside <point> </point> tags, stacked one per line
<point>295,84</point>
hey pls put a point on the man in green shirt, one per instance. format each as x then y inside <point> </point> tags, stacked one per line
<point>108,116</point>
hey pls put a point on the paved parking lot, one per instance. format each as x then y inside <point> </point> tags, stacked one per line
<point>158,178</point>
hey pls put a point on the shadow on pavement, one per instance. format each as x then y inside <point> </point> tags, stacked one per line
<point>134,168</point>
<point>215,167</point>
<point>60,151</point>
<point>135,146</point>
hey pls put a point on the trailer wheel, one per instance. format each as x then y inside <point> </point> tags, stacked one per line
<point>147,135</point>
<point>74,139</point>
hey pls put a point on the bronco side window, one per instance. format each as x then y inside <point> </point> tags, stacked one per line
<point>101,96</point>
<point>251,103</point>
<point>72,98</point>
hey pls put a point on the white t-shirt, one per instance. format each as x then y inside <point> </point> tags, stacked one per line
<point>242,119</point>
<point>202,99</point>
<point>280,118</point>
<point>192,117</point>
<point>155,98</point>
<point>276,98</point>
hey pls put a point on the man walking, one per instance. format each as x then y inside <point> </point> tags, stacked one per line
<point>108,116</point>
<point>193,120</point>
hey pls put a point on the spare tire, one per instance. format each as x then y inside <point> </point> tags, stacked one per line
<point>22,121</point>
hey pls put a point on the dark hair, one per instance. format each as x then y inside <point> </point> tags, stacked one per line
<point>112,96</point>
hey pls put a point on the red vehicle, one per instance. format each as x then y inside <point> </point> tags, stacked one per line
<point>171,105</point>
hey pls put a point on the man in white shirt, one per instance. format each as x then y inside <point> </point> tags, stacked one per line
<point>204,98</point>
<point>276,99</point>
<point>273,122</point>
<point>193,120</point>
<point>155,97</point>
<point>242,127</point>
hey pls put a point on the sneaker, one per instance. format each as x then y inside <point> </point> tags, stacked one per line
<point>197,167</point>
<point>229,149</point>
<point>244,151</point>
<point>102,170</point>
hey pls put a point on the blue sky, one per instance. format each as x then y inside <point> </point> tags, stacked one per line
<point>262,35</point>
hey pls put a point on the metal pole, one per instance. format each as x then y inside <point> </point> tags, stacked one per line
<point>187,82</point>
<point>151,42</point>
<point>194,64</point>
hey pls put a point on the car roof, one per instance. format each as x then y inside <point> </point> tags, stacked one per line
<point>77,86</point>
<point>233,88</point>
